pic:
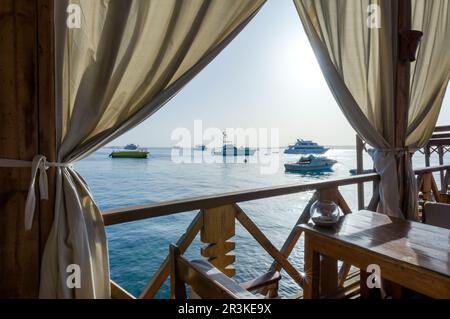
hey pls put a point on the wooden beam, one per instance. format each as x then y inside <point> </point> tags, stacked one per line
<point>259,236</point>
<point>128,214</point>
<point>46,116</point>
<point>439,142</point>
<point>440,135</point>
<point>402,96</point>
<point>360,169</point>
<point>442,128</point>
<point>19,249</point>
<point>118,292</point>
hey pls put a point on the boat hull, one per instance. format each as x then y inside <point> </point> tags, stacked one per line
<point>308,168</point>
<point>306,151</point>
<point>129,154</point>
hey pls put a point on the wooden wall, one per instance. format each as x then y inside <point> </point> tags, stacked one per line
<point>26,129</point>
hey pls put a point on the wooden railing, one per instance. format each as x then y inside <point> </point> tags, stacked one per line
<point>439,144</point>
<point>215,221</point>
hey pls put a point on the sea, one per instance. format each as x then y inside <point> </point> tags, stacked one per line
<point>137,249</point>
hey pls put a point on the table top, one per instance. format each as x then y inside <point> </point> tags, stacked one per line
<point>416,244</point>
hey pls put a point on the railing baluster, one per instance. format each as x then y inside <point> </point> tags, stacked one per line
<point>218,228</point>
<point>446,181</point>
<point>163,272</point>
<point>373,205</point>
<point>295,233</point>
<point>268,246</point>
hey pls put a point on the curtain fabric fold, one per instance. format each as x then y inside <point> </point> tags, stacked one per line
<point>358,55</point>
<point>124,63</point>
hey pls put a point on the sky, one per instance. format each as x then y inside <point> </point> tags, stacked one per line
<point>268,77</point>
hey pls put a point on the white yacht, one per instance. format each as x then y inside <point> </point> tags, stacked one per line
<point>229,149</point>
<point>305,147</point>
<point>310,163</point>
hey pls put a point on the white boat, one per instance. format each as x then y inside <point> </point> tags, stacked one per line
<point>310,163</point>
<point>231,150</point>
<point>305,147</point>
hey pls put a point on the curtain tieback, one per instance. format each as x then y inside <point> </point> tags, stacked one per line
<point>38,164</point>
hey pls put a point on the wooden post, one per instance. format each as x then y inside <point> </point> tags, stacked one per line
<point>402,96</point>
<point>360,170</point>
<point>441,162</point>
<point>427,152</point>
<point>328,266</point>
<point>218,228</point>
<point>27,126</point>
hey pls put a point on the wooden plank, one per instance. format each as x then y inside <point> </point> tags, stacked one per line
<point>442,128</point>
<point>328,276</point>
<point>435,190</point>
<point>311,289</point>
<point>360,170</point>
<point>259,236</point>
<point>425,186</point>
<point>183,243</point>
<point>177,287</point>
<point>439,142</point>
<point>118,292</point>
<point>124,215</point>
<point>440,135</point>
<point>373,205</point>
<point>19,250</point>
<point>344,272</point>
<point>431,169</point>
<point>218,228</point>
<point>205,286</point>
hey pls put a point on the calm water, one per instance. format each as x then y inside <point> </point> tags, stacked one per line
<point>137,249</point>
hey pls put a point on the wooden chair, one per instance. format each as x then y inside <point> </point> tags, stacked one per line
<point>437,214</point>
<point>208,282</point>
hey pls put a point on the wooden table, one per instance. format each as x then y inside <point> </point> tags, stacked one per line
<point>413,255</point>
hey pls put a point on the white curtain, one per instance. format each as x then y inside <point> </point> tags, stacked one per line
<point>127,60</point>
<point>355,42</point>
